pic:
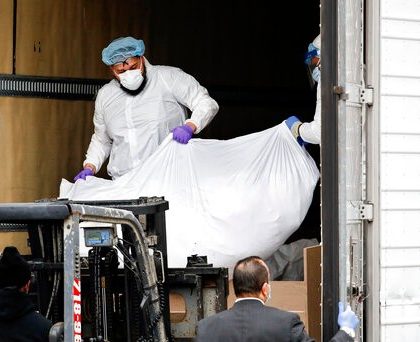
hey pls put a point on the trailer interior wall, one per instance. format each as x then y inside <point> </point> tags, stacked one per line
<point>399,139</point>
<point>231,47</point>
<point>250,57</point>
<point>6,36</point>
<point>44,140</point>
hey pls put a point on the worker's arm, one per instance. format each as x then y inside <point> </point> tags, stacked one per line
<point>100,144</point>
<point>297,331</point>
<point>191,94</point>
<point>348,323</point>
<point>311,131</point>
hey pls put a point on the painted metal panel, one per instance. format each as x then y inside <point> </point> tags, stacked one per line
<point>6,36</point>
<point>350,151</point>
<point>406,225</point>
<point>405,9</point>
<point>400,170</point>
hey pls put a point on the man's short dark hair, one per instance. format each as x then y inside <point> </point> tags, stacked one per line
<point>249,275</point>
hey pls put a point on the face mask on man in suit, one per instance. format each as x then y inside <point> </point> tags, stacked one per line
<point>266,292</point>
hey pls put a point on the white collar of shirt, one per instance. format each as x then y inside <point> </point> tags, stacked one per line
<point>248,298</point>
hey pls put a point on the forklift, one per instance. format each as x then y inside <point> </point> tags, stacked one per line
<point>100,271</point>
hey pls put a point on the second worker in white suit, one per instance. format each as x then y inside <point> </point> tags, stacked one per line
<point>310,132</point>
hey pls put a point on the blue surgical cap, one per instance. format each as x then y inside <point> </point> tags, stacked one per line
<point>122,48</point>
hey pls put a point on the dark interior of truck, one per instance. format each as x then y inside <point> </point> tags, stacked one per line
<point>250,58</point>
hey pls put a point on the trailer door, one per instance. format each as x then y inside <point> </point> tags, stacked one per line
<point>393,56</point>
<point>344,207</point>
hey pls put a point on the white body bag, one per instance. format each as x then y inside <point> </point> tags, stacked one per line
<point>228,199</point>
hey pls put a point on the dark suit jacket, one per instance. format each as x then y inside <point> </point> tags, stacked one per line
<point>252,321</point>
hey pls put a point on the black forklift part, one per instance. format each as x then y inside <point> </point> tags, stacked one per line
<point>53,229</point>
<point>122,298</point>
<point>204,290</point>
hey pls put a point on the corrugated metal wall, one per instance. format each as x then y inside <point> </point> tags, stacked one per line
<point>400,170</point>
<point>43,140</point>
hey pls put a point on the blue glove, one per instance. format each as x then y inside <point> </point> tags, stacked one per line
<point>293,123</point>
<point>182,134</point>
<point>347,318</point>
<point>83,174</point>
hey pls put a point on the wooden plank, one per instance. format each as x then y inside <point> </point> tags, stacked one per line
<point>6,36</point>
<point>65,38</point>
<point>177,307</point>
<point>41,141</point>
<point>312,279</point>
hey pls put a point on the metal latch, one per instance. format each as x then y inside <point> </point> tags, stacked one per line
<point>152,240</point>
<point>366,96</point>
<point>341,92</point>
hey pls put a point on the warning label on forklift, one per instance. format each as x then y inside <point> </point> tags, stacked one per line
<point>77,311</point>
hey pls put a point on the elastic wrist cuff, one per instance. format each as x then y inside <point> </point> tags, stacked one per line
<point>89,167</point>
<point>295,129</point>
<point>349,331</point>
<point>198,129</point>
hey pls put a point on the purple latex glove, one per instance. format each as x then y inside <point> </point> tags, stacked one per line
<point>182,134</point>
<point>83,174</point>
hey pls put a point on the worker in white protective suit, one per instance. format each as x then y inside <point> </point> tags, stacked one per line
<point>310,132</point>
<point>139,107</point>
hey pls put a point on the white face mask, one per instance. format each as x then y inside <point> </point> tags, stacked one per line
<point>268,294</point>
<point>131,79</point>
<point>316,73</point>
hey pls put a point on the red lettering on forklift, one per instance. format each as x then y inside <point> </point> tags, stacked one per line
<point>77,312</point>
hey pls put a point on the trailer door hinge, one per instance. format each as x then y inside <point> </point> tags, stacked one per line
<point>366,96</point>
<point>359,210</point>
<point>366,211</point>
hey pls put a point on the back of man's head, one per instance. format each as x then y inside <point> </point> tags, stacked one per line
<point>14,270</point>
<point>249,276</point>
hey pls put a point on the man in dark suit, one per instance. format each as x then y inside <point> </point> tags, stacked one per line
<point>19,321</point>
<point>251,320</point>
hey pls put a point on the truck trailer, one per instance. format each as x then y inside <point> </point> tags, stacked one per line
<point>370,151</point>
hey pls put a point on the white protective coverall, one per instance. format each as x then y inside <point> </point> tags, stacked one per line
<point>311,131</point>
<point>129,128</point>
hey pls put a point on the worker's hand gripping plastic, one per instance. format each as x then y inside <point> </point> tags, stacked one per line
<point>293,123</point>
<point>83,174</point>
<point>182,134</point>
<point>347,318</point>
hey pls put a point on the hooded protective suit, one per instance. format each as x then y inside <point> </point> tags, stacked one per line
<point>129,128</point>
<point>311,131</point>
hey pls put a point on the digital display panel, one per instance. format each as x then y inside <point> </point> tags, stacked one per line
<point>98,237</point>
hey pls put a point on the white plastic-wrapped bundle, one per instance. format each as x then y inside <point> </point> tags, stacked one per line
<point>227,198</point>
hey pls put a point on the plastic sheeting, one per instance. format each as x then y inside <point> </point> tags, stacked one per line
<point>228,199</point>
<point>287,262</point>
